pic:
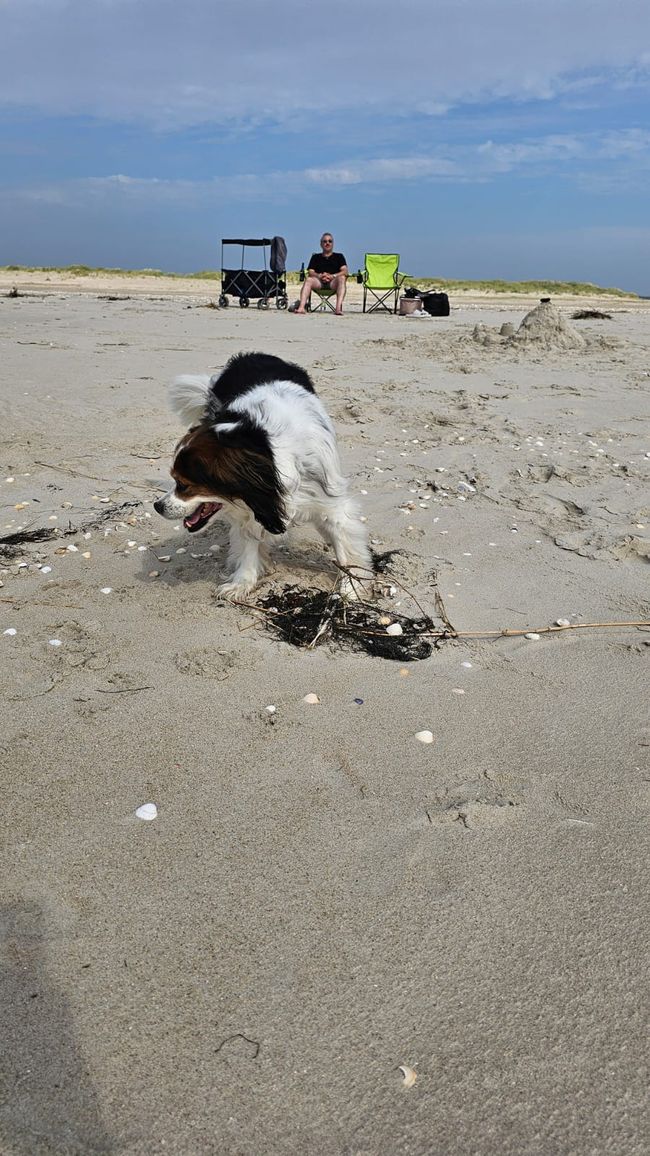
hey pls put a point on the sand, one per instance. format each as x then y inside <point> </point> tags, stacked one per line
<point>323,898</point>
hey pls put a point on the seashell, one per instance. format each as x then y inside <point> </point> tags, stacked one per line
<point>46,569</point>
<point>409,1075</point>
<point>270,709</point>
<point>457,690</point>
<point>182,550</point>
<point>106,590</point>
<point>467,665</point>
<point>55,642</point>
<point>72,549</point>
<point>532,636</point>
<point>311,698</point>
<point>10,631</point>
<point>147,811</point>
<point>394,629</point>
<point>154,574</point>
<point>385,620</point>
<point>562,622</point>
<point>164,557</point>
<point>86,554</point>
<point>132,543</point>
<point>10,479</point>
<point>424,736</point>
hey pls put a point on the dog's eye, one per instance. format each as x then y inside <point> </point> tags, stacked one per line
<point>180,487</point>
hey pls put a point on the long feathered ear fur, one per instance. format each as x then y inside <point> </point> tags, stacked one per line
<point>188,397</point>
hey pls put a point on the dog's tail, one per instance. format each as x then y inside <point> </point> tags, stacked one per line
<point>188,396</point>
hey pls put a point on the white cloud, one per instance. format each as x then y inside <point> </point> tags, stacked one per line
<point>210,61</point>
<point>583,159</point>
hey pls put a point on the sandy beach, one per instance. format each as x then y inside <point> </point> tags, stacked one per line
<point>322,898</point>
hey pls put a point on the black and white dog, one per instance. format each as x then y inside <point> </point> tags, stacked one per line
<point>261,451</point>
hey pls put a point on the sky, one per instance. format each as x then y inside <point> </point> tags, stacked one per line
<point>479,139</point>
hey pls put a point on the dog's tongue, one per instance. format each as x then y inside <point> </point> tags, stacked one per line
<point>202,513</point>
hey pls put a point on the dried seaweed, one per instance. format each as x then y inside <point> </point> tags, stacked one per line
<point>11,544</point>
<point>305,618</point>
<point>590,315</point>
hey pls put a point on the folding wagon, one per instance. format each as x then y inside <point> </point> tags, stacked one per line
<point>256,284</point>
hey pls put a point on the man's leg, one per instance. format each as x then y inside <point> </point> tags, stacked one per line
<point>339,282</point>
<point>309,284</point>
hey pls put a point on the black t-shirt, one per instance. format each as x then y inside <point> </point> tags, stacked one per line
<point>322,264</point>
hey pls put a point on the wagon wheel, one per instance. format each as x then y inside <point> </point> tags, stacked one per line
<point>282,302</point>
<point>263,303</point>
<point>243,302</point>
<point>223,301</point>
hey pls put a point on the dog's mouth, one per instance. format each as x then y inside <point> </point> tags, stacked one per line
<point>201,516</point>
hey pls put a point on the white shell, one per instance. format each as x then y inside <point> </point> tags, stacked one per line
<point>311,698</point>
<point>562,622</point>
<point>532,636</point>
<point>55,642</point>
<point>10,631</point>
<point>394,629</point>
<point>409,1075</point>
<point>46,569</point>
<point>147,811</point>
<point>424,736</point>
<point>106,590</point>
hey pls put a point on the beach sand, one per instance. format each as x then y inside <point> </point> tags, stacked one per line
<point>323,898</point>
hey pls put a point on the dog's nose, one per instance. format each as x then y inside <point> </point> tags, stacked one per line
<point>158,505</point>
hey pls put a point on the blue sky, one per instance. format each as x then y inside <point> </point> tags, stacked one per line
<point>478,138</point>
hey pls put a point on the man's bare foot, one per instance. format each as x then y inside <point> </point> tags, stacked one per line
<point>300,310</point>
<point>338,312</point>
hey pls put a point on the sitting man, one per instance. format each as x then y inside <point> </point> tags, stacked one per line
<point>327,270</point>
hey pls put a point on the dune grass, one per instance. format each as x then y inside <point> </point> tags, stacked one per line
<point>444,284</point>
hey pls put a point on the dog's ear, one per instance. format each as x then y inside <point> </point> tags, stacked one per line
<point>247,456</point>
<point>255,480</point>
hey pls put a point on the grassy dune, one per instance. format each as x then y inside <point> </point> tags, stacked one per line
<point>530,288</point>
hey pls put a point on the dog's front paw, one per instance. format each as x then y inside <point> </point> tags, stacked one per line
<point>234,590</point>
<point>355,589</point>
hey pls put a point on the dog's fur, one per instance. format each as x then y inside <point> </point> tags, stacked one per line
<point>261,450</point>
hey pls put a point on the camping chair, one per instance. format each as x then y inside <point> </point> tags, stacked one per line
<point>324,300</point>
<point>381,281</point>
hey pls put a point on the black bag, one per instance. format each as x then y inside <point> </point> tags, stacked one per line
<point>437,304</point>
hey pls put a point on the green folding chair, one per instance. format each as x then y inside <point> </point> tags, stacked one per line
<point>324,300</point>
<point>382,282</point>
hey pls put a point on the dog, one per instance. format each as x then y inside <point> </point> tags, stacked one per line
<point>261,452</point>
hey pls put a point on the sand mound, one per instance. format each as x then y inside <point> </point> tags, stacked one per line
<point>544,327</point>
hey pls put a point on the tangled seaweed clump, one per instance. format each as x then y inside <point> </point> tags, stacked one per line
<point>306,618</point>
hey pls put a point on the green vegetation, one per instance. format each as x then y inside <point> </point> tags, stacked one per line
<point>90,271</point>
<point>530,288</point>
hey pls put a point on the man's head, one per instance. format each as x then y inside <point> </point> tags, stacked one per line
<point>327,243</point>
